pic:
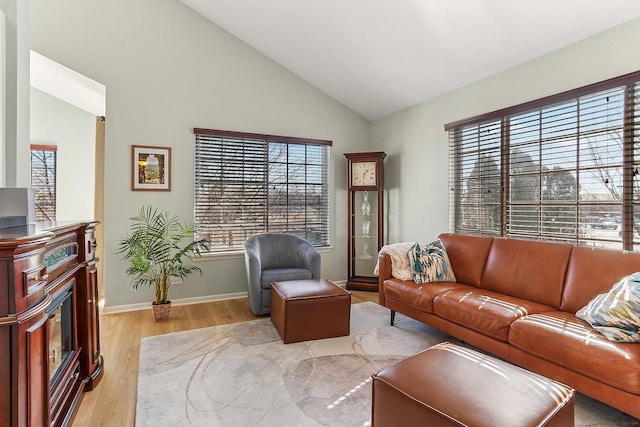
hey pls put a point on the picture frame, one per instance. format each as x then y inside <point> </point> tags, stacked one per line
<point>151,168</point>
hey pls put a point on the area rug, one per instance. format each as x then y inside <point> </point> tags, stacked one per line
<point>243,375</point>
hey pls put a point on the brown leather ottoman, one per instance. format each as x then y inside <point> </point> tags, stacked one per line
<point>303,310</point>
<point>450,385</point>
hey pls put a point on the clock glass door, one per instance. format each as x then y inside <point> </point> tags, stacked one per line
<point>364,245</point>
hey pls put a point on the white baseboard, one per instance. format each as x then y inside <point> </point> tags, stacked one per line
<point>186,301</point>
<point>174,302</point>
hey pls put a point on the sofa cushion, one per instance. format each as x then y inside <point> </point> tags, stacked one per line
<point>282,275</point>
<point>430,263</point>
<point>419,297</point>
<point>531,270</point>
<point>562,339</point>
<point>486,312</point>
<point>468,255</point>
<point>592,271</point>
<point>616,314</point>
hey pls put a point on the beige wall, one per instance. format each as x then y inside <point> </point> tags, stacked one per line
<point>166,71</point>
<point>416,170</point>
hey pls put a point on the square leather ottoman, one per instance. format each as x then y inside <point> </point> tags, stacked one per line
<point>303,310</point>
<point>451,385</point>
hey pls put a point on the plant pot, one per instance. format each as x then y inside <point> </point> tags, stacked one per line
<point>161,311</point>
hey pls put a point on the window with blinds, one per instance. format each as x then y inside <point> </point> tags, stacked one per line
<point>564,168</point>
<point>247,184</point>
<point>43,181</point>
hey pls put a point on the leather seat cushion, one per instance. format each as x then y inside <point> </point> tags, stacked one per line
<point>450,385</point>
<point>417,296</point>
<point>282,275</point>
<point>483,311</point>
<point>575,345</point>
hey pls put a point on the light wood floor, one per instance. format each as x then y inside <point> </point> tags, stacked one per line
<point>113,402</point>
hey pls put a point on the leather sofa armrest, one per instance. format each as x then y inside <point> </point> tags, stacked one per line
<point>384,273</point>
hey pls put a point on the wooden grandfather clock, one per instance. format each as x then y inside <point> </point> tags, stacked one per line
<point>366,218</point>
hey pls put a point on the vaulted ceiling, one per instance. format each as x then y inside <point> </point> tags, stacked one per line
<point>380,56</point>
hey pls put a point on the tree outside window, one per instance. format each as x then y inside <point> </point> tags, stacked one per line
<point>43,181</point>
<point>565,168</point>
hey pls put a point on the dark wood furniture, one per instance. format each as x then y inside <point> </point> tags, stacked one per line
<point>366,218</point>
<point>49,330</point>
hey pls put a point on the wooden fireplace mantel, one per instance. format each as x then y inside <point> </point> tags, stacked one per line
<point>39,265</point>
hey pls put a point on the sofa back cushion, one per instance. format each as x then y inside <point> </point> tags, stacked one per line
<point>593,271</point>
<point>526,269</point>
<point>468,255</point>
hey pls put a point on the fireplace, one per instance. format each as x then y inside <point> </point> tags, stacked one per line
<point>61,332</point>
<point>49,322</point>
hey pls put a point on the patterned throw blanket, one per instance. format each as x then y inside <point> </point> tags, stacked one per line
<point>401,267</point>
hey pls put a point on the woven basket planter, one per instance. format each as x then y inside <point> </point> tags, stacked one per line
<point>161,311</point>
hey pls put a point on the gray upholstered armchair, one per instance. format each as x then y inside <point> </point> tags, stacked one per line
<point>277,257</point>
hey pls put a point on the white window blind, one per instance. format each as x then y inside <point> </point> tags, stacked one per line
<point>247,184</point>
<point>562,169</point>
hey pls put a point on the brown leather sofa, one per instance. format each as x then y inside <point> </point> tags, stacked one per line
<point>517,299</point>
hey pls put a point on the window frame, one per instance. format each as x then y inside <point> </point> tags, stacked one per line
<point>316,156</point>
<point>49,212</point>
<point>629,87</point>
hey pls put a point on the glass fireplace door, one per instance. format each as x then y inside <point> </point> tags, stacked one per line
<point>61,332</point>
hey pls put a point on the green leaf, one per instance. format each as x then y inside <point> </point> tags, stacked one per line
<point>156,248</point>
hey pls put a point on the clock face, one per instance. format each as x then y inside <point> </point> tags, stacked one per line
<point>363,174</point>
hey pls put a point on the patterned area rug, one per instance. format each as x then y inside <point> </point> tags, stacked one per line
<point>243,375</point>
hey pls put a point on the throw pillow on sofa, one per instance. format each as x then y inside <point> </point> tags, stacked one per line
<point>616,314</point>
<point>431,263</point>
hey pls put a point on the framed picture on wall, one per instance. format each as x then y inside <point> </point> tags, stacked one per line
<point>151,168</point>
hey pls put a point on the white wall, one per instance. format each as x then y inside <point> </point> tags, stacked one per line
<point>15,82</point>
<point>73,131</point>
<point>3,53</point>
<point>168,70</point>
<point>416,170</point>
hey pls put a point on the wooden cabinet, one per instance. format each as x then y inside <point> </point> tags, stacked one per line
<point>88,324</point>
<point>48,322</point>
<point>366,218</point>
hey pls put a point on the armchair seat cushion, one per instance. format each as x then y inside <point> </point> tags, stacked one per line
<point>283,274</point>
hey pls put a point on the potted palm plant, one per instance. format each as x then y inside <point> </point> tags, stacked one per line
<point>156,250</point>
